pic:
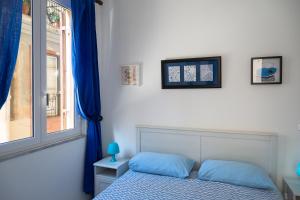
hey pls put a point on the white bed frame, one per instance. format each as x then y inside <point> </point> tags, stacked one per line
<point>255,147</point>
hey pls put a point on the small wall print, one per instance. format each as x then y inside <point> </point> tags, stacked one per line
<point>266,70</point>
<point>191,73</point>
<point>130,75</point>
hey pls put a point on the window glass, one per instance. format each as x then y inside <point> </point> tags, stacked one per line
<point>60,88</point>
<point>16,114</point>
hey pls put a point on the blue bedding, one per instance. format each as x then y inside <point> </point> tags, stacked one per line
<point>141,186</point>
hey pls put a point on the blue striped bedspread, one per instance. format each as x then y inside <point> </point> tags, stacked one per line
<point>141,186</point>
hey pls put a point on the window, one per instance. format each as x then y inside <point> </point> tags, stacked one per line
<point>60,90</point>
<point>40,107</point>
<point>16,114</point>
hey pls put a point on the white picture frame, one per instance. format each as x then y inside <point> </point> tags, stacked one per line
<point>131,75</point>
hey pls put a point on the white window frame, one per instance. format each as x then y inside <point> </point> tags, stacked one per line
<point>40,139</point>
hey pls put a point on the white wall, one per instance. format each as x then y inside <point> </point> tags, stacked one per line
<point>53,173</point>
<point>149,31</point>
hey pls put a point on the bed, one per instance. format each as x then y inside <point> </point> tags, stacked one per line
<point>142,186</point>
<point>255,147</point>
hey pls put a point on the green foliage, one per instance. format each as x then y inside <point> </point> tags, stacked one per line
<point>53,16</point>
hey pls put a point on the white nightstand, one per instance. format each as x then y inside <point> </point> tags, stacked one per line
<point>291,188</point>
<point>106,172</point>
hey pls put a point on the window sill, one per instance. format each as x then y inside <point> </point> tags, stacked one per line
<point>41,147</point>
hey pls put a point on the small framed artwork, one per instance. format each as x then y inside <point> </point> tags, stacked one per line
<point>130,75</point>
<point>266,70</point>
<point>191,73</point>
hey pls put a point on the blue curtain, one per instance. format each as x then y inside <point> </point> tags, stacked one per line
<point>10,31</point>
<point>87,86</point>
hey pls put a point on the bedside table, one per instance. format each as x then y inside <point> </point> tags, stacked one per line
<point>291,188</point>
<point>106,172</point>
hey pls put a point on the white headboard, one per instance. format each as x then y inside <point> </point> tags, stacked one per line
<point>255,147</point>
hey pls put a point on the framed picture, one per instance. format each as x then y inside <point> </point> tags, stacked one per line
<point>130,75</point>
<point>266,70</point>
<point>191,73</point>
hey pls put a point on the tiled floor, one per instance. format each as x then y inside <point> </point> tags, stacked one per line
<point>53,124</point>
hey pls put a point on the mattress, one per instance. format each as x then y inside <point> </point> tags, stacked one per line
<point>141,186</point>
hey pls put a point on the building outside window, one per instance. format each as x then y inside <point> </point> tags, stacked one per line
<point>41,103</point>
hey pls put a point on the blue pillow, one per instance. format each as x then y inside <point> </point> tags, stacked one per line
<point>162,164</point>
<point>236,173</point>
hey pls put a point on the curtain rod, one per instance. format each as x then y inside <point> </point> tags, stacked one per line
<point>99,2</point>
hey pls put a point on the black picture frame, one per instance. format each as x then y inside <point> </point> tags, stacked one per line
<point>271,74</point>
<point>191,73</point>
